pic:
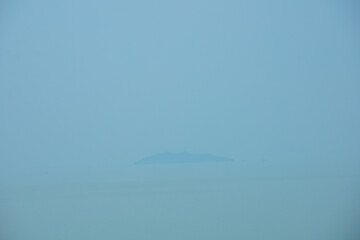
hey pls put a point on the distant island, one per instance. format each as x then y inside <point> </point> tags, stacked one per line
<point>184,157</point>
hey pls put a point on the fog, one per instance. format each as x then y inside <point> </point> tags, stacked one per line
<point>245,113</point>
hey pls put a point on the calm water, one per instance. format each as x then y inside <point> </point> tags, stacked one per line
<point>248,208</point>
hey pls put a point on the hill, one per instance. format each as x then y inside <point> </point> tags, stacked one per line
<point>184,157</point>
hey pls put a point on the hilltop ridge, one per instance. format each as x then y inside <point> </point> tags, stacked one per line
<point>183,157</point>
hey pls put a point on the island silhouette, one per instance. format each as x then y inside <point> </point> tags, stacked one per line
<point>184,157</point>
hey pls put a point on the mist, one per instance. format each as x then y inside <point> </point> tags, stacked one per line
<point>247,110</point>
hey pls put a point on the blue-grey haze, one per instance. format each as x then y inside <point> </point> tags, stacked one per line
<point>88,88</point>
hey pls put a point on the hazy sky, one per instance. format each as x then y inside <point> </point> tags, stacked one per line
<point>101,84</point>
